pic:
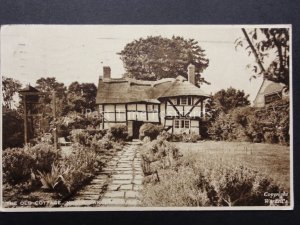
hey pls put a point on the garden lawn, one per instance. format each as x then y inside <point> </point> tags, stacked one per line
<point>270,159</point>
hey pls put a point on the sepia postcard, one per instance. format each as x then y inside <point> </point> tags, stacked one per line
<point>146,117</point>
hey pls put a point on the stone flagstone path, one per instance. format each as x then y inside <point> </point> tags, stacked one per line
<point>118,184</point>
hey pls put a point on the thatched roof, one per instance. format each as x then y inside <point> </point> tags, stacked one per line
<point>181,87</point>
<point>130,90</point>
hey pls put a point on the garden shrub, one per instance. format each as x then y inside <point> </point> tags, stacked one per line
<point>44,156</point>
<point>96,132</point>
<point>165,135</point>
<point>17,165</point>
<point>149,130</point>
<point>158,154</point>
<point>21,165</point>
<point>175,189</point>
<point>207,180</point>
<point>233,185</point>
<point>74,120</point>
<point>146,140</point>
<point>68,176</point>
<point>103,144</point>
<point>192,137</point>
<point>270,137</point>
<point>80,136</point>
<point>42,167</point>
<point>54,180</point>
<point>176,137</point>
<point>83,168</point>
<point>269,124</point>
<point>118,132</point>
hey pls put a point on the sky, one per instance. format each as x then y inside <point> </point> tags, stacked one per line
<point>78,52</point>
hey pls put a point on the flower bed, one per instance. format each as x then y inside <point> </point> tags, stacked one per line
<point>40,170</point>
<point>202,179</point>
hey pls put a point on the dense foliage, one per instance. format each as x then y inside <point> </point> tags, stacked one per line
<point>81,97</point>
<point>119,132</point>
<point>149,130</point>
<point>73,109</point>
<point>157,154</point>
<point>12,129</point>
<point>225,100</point>
<point>192,137</point>
<point>20,163</point>
<point>57,172</point>
<point>198,179</point>
<point>270,124</point>
<point>154,58</point>
<point>17,165</point>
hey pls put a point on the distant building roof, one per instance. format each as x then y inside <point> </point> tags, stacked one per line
<point>267,87</point>
<point>273,87</point>
<point>127,90</point>
<point>29,88</point>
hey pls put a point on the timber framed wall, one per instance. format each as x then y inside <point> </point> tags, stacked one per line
<point>190,108</point>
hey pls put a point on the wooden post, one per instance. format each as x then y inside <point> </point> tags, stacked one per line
<point>201,112</point>
<point>103,116</point>
<point>146,105</point>
<point>25,121</point>
<point>158,114</point>
<point>54,119</point>
<point>115,109</point>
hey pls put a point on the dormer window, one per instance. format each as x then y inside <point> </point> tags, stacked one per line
<point>184,101</point>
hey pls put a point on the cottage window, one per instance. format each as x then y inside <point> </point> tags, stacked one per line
<point>189,101</point>
<point>149,108</point>
<point>182,124</point>
<point>185,101</point>
<point>176,123</point>
<point>187,124</point>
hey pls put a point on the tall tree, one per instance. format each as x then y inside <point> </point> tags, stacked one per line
<point>12,121</point>
<point>12,129</point>
<point>266,43</point>
<point>10,88</point>
<point>226,100</point>
<point>49,84</point>
<point>74,97</point>
<point>89,91</point>
<point>154,58</point>
<point>81,96</point>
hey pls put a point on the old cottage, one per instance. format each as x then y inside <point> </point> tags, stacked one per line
<point>178,104</point>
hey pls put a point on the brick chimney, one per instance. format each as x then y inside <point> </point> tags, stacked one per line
<point>191,74</point>
<point>106,72</point>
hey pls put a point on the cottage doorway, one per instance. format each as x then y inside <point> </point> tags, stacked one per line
<point>136,129</point>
